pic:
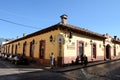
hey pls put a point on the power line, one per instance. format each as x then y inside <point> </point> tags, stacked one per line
<point>19,24</point>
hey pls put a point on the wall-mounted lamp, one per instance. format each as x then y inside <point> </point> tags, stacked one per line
<point>104,44</point>
<point>70,35</point>
<point>51,38</point>
<point>18,44</point>
<point>91,42</point>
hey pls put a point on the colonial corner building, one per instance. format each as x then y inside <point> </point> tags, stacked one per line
<point>66,42</point>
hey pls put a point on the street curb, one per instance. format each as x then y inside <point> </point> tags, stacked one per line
<point>66,69</point>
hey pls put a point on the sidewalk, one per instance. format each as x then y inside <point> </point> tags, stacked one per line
<point>79,66</point>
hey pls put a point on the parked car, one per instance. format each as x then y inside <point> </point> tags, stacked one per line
<point>0,55</point>
<point>11,58</point>
<point>5,56</point>
<point>20,59</point>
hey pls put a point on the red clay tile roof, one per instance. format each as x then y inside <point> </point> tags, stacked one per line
<point>116,41</point>
<point>63,26</point>
<point>83,31</point>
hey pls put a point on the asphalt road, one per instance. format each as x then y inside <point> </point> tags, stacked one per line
<point>10,71</point>
<point>107,71</point>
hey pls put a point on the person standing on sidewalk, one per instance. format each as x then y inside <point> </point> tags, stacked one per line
<point>52,60</point>
<point>82,58</point>
<point>85,60</point>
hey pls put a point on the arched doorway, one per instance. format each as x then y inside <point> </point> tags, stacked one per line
<point>12,48</point>
<point>32,48</point>
<point>108,52</point>
<point>80,49</point>
<point>94,50</point>
<point>16,48</point>
<point>42,49</point>
<point>24,48</point>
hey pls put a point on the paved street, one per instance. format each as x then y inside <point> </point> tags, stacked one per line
<point>108,71</point>
<point>9,71</point>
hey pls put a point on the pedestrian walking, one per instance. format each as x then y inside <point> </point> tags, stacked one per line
<point>52,60</point>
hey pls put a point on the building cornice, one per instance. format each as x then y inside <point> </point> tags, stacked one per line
<point>63,26</point>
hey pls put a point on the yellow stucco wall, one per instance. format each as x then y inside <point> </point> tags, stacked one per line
<point>69,47</point>
<point>49,46</point>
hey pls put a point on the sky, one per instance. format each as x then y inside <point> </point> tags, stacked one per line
<point>28,16</point>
